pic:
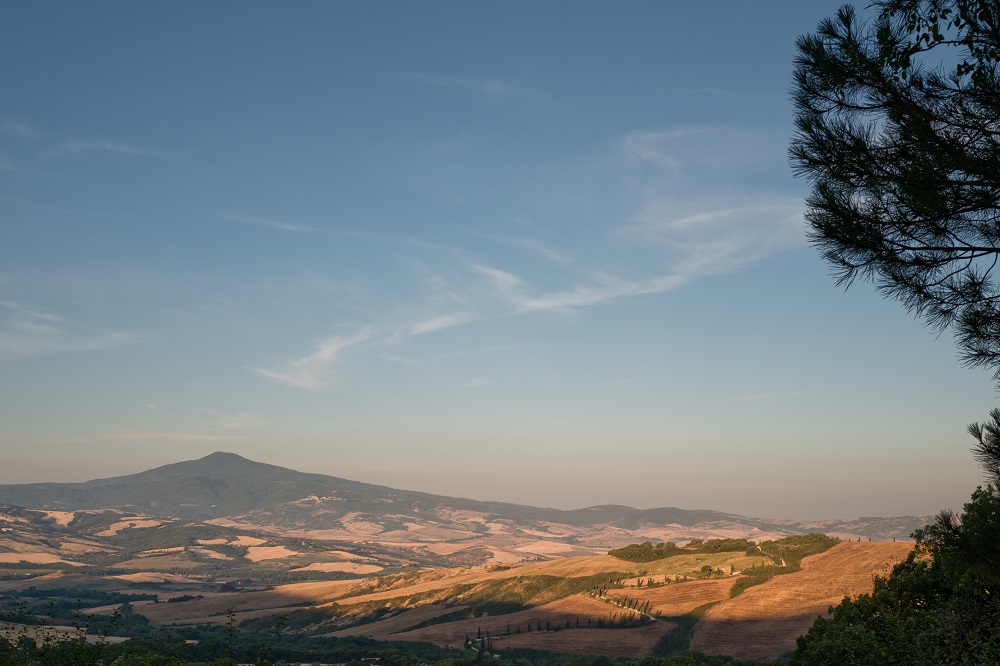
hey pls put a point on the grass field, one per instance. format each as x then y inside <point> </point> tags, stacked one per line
<point>762,622</point>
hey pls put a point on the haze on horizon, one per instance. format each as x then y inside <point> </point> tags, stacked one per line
<point>511,252</point>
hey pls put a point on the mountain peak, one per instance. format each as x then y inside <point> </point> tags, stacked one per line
<point>222,457</point>
<point>223,463</point>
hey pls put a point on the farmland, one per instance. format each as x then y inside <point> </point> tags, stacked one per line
<point>763,622</point>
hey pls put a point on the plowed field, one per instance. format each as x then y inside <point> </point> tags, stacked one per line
<point>216,604</point>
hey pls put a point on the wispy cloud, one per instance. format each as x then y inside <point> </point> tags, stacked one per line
<point>475,382</point>
<point>491,87</point>
<point>695,245</point>
<point>504,281</point>
<point>532,245</point>
<point>686,221</point>
<point>428,326</point>
<point>694,152</point>
<point>674,222</point>
<point>105,145</point>
<point>654,147</point>
<point>291,227</point>
<point>311,373</point>
<point>269,223</point>
<point>35,323</point>
<point>586,295</point>
<point>603,288</point>
<point>438,324</point>
<point>28,332</point>
<point>19,130</point>
<point>719,240</point>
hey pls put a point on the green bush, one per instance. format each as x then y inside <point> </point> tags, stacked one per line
<point>757,576</point>
<point>646,552</point>
<point>794,548</point>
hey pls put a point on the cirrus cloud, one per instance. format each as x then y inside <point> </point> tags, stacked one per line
<point>312,372</point>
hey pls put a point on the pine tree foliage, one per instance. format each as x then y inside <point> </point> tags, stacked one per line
<point>940,606</point>
<point>898,129</point>
<point>987,447</point>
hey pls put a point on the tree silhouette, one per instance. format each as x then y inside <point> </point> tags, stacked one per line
<point>898,129</point>
<point>987,447</point>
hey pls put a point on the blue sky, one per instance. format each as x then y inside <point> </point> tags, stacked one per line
<point>549,253</point>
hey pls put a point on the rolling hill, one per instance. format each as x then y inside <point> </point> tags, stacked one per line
<point>595,605</point>
<point>230,491</point>
<point>225,484</point>
<point>225,539</point>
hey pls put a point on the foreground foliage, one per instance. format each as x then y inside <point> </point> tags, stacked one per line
<point>898,127</point>
<point>940,606</point>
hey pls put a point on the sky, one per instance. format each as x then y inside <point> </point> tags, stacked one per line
<point>546,253</point>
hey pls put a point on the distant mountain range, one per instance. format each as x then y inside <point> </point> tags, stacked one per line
<point>225,484</point>
<point>227,489</point>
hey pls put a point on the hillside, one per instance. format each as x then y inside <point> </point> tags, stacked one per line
<point>764,621</point>
<point>403,527</point>
<point>574,606</point>
<point>505,601</point>
<point>216,577</point>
